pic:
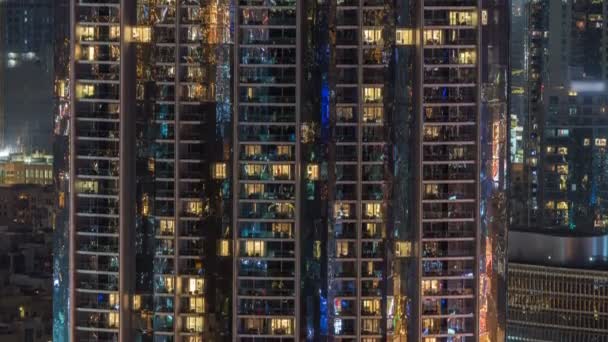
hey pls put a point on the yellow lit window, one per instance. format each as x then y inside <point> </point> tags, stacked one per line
<point>562,205</point>
<point>194,207</point>
<point>252,150</point>
<point>253,169</point>
<point>113,319</point>
<point>371,306</point>
<point>194,324</point>
<point>431,132</point>
<point>467,57</point>
<point>373,114</point>
<point>219,171</point>
<point>433,37</point>
<point>550,149</point>
<point>550,205</point>
<point>562,169</point>
<point>254,189</point>
<point>404,36</point>
<point>136,302</point>
<point>195,285</point>
<point>341,248</point>
<point>224,248</point>
<point>281,171</point>
<point>431,190</point>
<point>371,326</point>
<point>563,182</point>
<point>341,210</point>
<point>600,142</point>
<point>113,299</point>
<point>283,208</point>
<point>87,187</point>
<point>373,210</point>
<point>255,248</point>
<point>284,151</point>
<point>281,229</point>
<point>281,326</point>
<point>197,304</point>
<point>114,32</point>
<point>562,150</point>
<point>586,142</point>
<point>430,286</point>
<point>86,33</point>
<point>141,34</point>
<point>316,249</point>
<point>372,36</point>
<point>91,54</point>
<point>403,249</point>
<point>61,199</point>
<point>167,227</point>
<point>463,18</point>
<point>484,17</point>
<point>85,90</point>
<point>370,229</point>
<point>145,205</point>
<point>312,172</point>
<point>372,94</point>
<point>249,93</point>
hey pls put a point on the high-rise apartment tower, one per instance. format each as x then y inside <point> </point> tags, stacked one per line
<point>282,170</point>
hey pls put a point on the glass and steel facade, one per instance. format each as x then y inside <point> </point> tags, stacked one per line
<point>287,170</point>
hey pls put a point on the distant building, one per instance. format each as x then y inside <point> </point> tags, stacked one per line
<point>36,168</point>
<point>558,288</point>
<point>27,205</point>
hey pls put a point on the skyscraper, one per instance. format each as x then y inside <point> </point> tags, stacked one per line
<point>288,170</point>
<point>558,169</point>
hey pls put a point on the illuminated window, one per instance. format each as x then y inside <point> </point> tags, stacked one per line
<point>316,249</point>
<point>458,18</point>
<point>224,248</point>
<point>219,171</point>
<point>371,326</point>
<point>253,150</point>
<point>194,324</point>
<point>195,285</point>
<point>431,190</point>
<point>61,199</point>
<point>145,205</point>
<point>562,205</point>
<point>114,32</point>
<point>600,142</point>
<point>404,36</point>
<point>281,171</point>
<point>281,229</point>
<point>430,286</point>
<point>484,17</point>
<point>373,210</point>
<point>113,300</point>
<point>372,94</point>
<point>341,210</point>
<point>550,149</point>
<point>141,34</point>
<point>433,37</point>
<point>342,249</point>
<point>254,190</point>
<point>467,57</point>
<point>194,207</point>
<point>563,182</point>
<point>255,248</point>
<point>136,302</point>
<point>167,227</point>
<point>86,33</point>
<point>91,54</point>
<point>586,142</point>
<point>550,205</point>
<point>563,150</point>
<point>403,249</point>
<point>85,90</point>
<point>113,319</point>
<point>371,306</point>
<point>370,230</point>
<point>197,304</point>
<point>562,169</point>
<point>281,326</point>
<point>373,114</point>
<point>284,151</point>
<point>563,132</point>
<point>312,172</point>
<point>86,187</point>
<point>372,36</point>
